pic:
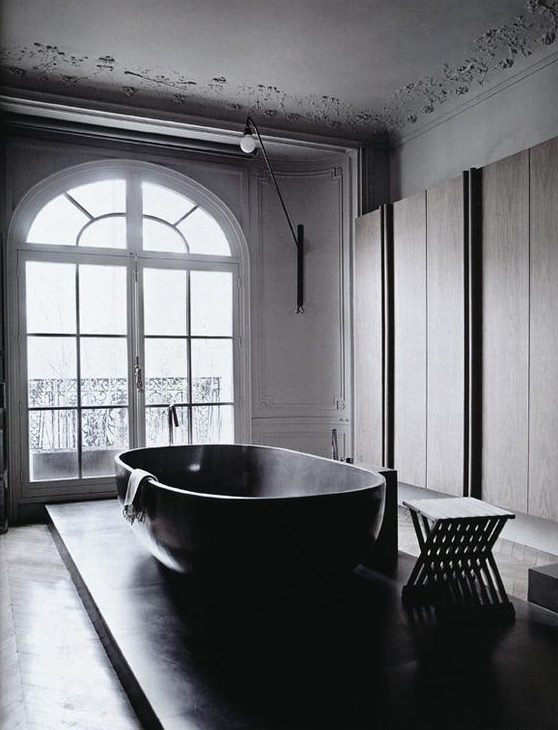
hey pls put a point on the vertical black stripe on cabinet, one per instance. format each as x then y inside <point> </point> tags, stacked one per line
<point>466,333</point>
<point>387,334</point>
<point>473,409</point>
<point>3,420</point>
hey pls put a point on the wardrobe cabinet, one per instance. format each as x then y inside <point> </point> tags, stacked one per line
<point>422,417</point>
<point>428,304</point>
<point>409,312</point>
<point>368,338</point>
<point>520,332</point>
<point>543,340</point>
<point>471,372</point>
<point>505,332</point>
<point>445,411</point>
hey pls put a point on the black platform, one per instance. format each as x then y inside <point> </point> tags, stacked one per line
<point>543,586</point>
<point>341,657</point>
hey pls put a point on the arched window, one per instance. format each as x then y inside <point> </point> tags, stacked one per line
<point>128,284</point>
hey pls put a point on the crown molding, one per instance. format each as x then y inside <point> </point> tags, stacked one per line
<point>407,134</point>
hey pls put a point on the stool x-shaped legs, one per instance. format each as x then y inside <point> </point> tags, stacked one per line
<point>456,566</point>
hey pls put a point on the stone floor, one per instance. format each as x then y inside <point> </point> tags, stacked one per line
<point>54,673</point>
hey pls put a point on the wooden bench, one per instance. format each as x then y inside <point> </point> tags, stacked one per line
<point>456,568</point>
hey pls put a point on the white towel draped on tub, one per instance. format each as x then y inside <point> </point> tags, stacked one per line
<point>134,507</point>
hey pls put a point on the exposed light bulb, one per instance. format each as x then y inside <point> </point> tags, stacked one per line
<point>248,143</point>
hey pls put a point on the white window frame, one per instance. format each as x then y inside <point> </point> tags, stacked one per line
<point>22,490</point>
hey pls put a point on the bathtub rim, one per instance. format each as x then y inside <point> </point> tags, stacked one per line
<point>242,498</point>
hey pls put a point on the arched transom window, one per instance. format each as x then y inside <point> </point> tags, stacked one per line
<point>128,321</point>
<point>96,214</point>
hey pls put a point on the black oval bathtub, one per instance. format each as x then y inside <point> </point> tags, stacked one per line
<point>248,509</point>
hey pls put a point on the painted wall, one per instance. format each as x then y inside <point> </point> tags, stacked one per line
<point>499,123</point>
<point>300,366</point>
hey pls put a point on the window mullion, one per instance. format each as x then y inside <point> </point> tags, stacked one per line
<point>78,374</point>
<point>134,213</point>
<point>189,360</point>
<point>138,349</point>
<point>135,324</point>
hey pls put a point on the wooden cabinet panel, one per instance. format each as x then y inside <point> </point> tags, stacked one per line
<point>445,338</point>
<point>543,381</point>
<point>409,272</point>
<point>368,365</point>
<point>505,332</point>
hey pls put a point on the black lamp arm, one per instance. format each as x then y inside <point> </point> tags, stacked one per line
<point>250,122</point>
<point>300,269</point>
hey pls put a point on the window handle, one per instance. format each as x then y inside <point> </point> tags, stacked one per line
<point>138,375</point>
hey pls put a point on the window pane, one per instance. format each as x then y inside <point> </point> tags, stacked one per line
<point>204,234</point>
<point>212,371</point>
<point>164,203</point>
<point>99,198</point>
<point>164,302</point>
<point>53,445</point>
<point>105,233</point>
<point>211,302</point>
<point>104,371</point>
<point>161,237</point>
<point>102,300</point>
<point>59,222</point>
<point>157,428</point>
<point>104,434</point>
<point>212,424</point>
<point>52,371</point>
<point>51,297</point>
<point>166,371</point>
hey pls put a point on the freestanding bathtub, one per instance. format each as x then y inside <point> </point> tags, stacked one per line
<point>253,509</point>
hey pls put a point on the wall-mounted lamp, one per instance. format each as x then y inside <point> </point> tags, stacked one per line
<point>248,145</point>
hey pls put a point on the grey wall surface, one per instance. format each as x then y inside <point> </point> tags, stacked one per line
<point>509,119</point>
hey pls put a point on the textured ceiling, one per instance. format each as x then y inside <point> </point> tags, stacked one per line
<point>349,68</point>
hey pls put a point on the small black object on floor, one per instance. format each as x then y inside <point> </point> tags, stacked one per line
<point>543,586</point>
<point>344,656</point>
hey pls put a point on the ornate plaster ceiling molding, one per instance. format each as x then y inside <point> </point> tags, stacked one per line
<point>494,56</point>
<point>54,70</point>
<point>498,50</point>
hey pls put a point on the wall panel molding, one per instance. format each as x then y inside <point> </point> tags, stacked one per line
<point>288,345</point>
